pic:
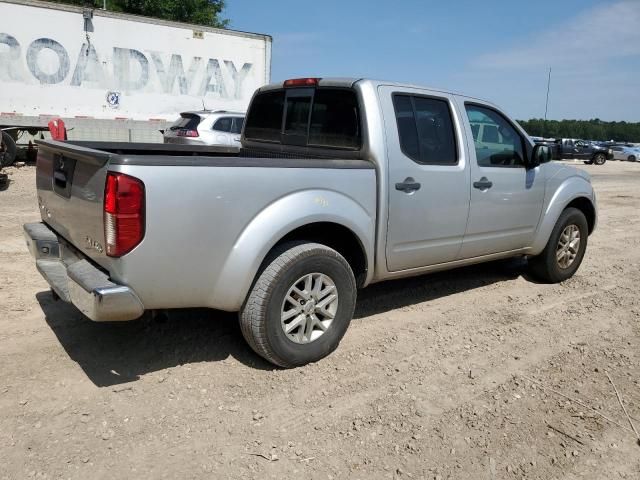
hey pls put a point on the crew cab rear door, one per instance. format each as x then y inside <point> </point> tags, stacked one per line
<point>428,178</point>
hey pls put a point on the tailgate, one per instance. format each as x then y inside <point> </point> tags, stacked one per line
<point>70,180</point>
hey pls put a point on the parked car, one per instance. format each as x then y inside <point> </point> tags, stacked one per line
<point>340,183</point>
<point>591,153</point>
<point>631,154</point>
<point>549,142</point>
<point>206,128</point>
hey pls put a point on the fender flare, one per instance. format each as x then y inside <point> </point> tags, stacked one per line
<point>273,223</point>
<point>571,189</point>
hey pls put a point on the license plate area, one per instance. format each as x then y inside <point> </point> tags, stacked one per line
<point>63,168</point>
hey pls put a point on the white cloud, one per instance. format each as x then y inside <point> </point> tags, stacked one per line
<point>599,34</point>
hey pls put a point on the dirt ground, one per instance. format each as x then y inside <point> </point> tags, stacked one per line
<point>478,373</point>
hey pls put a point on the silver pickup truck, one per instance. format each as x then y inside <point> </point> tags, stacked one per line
<point>339,183</point>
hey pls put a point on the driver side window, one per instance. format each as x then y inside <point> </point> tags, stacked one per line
<point>497,142</point>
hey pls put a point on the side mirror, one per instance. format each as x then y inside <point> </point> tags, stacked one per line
<point>541,154</point>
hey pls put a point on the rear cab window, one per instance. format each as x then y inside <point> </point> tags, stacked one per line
<point>324,117</point>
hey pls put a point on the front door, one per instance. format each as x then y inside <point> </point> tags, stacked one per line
<point>582,149</point>
<point>506,197</point>
<point>428,178</point>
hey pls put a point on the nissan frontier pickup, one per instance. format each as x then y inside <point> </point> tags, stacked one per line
<point>339,183</point>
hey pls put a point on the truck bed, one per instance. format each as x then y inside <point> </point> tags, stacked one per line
<point>197,220</point>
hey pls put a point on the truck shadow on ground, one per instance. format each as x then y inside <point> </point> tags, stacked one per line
<point>393,294</point>
<point>116,353</point>
<point>121,352</point>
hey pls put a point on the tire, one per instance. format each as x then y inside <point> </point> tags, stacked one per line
<point>8,150</point>
<point>599,159</point>
<point>547,266</point>
<point>262,318</point>
<point>631,158</point>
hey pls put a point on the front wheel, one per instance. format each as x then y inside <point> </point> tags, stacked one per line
<point>300,306</point>
<point>599,159</point>
<point>632,158</point>
<point>565,249</point>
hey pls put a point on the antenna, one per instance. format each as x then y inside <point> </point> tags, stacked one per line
<point>203,106</point>
<point>546,105</point>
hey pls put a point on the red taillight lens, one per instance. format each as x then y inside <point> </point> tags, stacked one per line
<point>123,213</point>
<point>301,82</point>
<point>188,133</point>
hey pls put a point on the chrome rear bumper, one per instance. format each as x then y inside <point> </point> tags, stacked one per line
<point>77,281</point>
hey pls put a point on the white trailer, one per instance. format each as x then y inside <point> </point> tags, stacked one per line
<point>114,76</point>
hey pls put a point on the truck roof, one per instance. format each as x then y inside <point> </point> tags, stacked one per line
<point>349,82</point>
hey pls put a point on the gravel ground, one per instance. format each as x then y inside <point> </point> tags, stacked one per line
<point>477,373</point>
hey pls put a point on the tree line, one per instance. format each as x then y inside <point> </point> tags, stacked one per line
<point>200,12</point>
<point>594,129</point>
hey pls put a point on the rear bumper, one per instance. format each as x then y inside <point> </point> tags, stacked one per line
<point>77,281</point>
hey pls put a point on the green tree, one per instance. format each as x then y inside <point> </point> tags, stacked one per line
<point>200,12</point>
<point>594,129</point>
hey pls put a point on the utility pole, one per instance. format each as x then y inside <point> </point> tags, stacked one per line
<point>546,105</point>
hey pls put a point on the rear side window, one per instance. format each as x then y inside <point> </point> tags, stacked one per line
<point>323,117</point>
<point>187,121</point>
<point>222,124</point>
<point>237,124</point>
<point>425,129</point>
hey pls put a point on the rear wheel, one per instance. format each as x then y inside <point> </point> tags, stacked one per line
<point>300,306</point>
<point>632,158</point>
<point>599,159</point>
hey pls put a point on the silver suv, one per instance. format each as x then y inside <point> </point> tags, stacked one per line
<point>205,127</point>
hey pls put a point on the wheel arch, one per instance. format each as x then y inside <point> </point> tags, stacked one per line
<point>574,192</point>
<point>335,236</point>
<point>330,218</point>
<point>586,207</point>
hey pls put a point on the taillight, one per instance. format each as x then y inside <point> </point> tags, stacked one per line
<point>123,213</point>
<point>301,82</point>
<point>188,133</point>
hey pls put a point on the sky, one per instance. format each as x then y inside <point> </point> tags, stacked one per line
<point>498,50</point>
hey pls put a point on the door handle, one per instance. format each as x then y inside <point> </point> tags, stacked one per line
<point>408,186</point>
<point>483,184</point>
